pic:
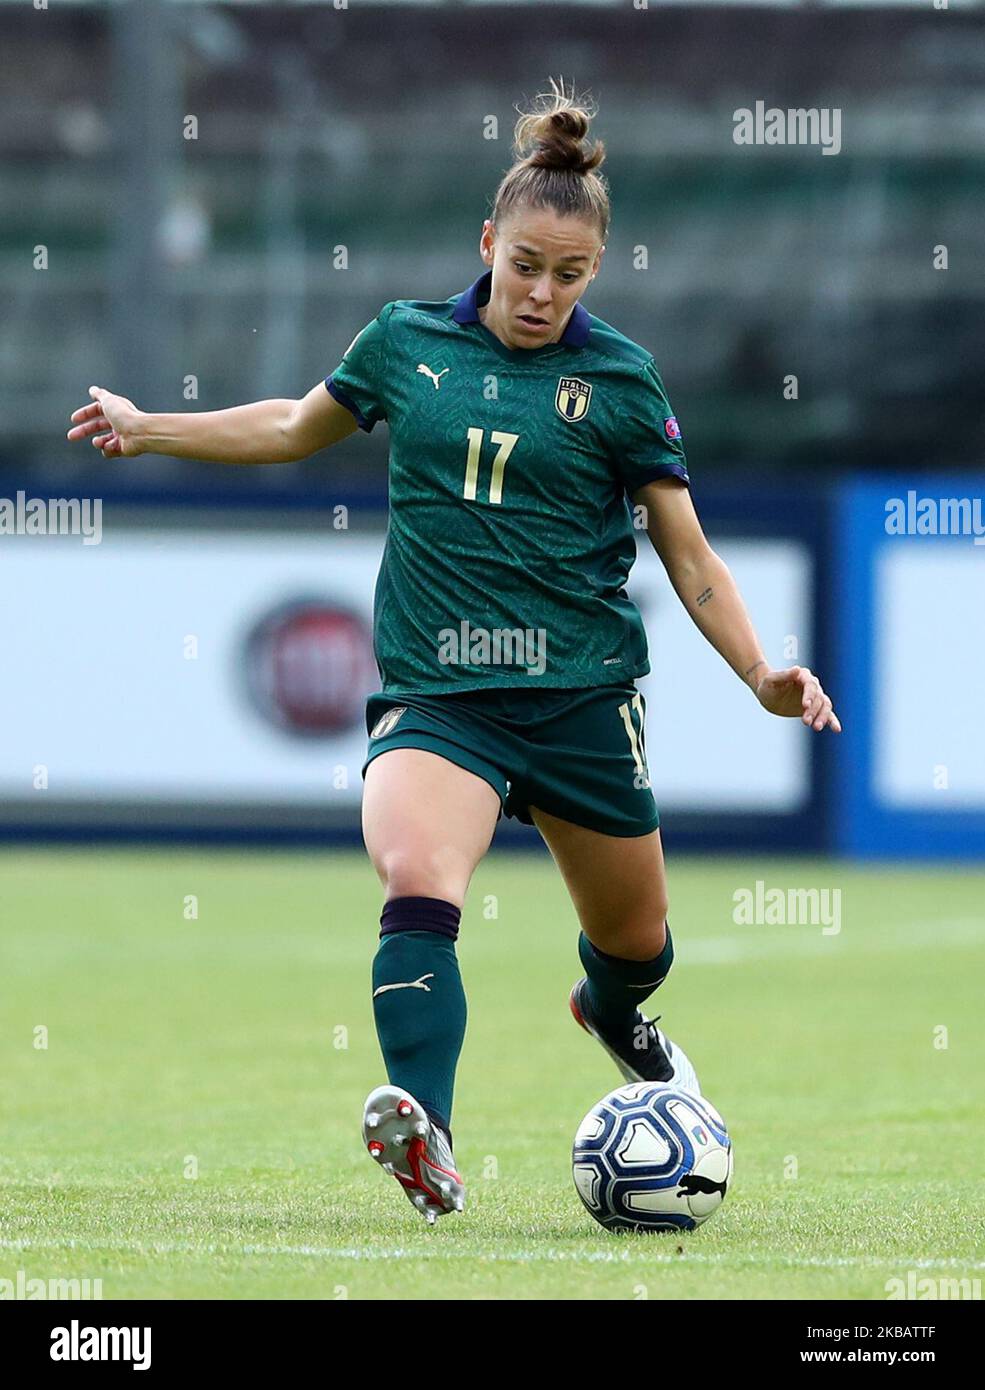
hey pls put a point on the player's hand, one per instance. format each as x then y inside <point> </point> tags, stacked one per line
<point>111,421</point>
<point>796,692</point>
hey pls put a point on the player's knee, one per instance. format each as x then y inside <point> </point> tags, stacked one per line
<point>659,916</point>
<point>651,930</point>
<point>406,874</point>
<point>642,939</point>
<point>655,939</point>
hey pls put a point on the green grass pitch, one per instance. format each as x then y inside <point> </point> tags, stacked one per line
<point>209,1046</point>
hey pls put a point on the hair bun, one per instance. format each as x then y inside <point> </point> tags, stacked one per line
<point>556,165</point>
<point>553,134</point>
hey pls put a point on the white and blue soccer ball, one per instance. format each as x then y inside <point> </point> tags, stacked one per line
<point>652,1157</point>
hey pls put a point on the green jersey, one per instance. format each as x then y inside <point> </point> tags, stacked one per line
<point>510,537</point>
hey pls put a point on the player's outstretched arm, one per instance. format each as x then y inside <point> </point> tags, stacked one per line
<point>707,590</point>
<point>274,431</point>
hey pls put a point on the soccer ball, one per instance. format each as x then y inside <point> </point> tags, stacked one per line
<point>650,1157</point>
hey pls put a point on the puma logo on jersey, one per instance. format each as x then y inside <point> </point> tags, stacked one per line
<point>407,984</point>
<point>436,378</point>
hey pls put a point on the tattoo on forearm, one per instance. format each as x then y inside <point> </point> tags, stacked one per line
<point>753,667</point>
<point>703,598</point>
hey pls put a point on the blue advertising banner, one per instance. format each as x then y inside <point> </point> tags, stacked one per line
<point>910,602</point>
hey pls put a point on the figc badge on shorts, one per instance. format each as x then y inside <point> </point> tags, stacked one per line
<point>572,398</point>
<point>384,725</point>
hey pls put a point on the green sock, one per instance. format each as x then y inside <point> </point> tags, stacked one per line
<point>617,987</point>
<point>421,1024</point>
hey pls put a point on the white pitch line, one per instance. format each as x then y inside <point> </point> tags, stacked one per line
<point>330,1252</point>
<point>767,943</point>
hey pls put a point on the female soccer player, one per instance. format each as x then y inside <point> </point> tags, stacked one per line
<point>507,646</point>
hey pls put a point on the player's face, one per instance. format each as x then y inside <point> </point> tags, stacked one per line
<point>542,263</point>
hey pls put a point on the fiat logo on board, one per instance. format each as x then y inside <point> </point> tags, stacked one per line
<point>310,666</point>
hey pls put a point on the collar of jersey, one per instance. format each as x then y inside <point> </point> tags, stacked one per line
<point>576,331</point>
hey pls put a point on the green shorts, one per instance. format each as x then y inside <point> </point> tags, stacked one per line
<point>577,754</point>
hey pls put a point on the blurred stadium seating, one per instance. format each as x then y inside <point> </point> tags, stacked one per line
<point>320,128</point>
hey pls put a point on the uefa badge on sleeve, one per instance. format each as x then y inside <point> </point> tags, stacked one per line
<point>572,398</point>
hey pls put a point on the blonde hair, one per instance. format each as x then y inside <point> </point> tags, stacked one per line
<point>555,165</point>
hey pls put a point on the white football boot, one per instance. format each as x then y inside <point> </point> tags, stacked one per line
<point>405,1142</point>
<point>661,1060</point>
